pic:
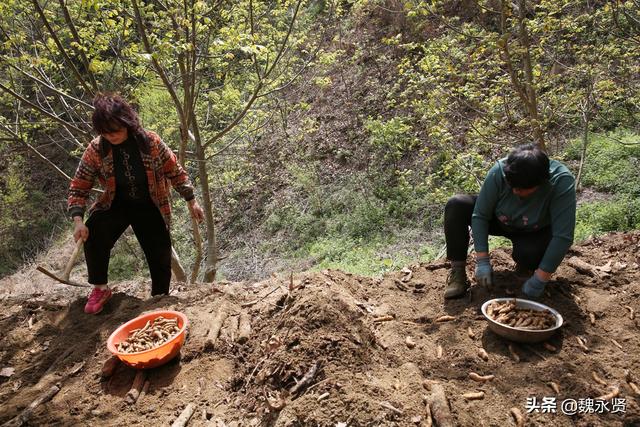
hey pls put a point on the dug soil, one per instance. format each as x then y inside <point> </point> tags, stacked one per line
<point>332,349</point>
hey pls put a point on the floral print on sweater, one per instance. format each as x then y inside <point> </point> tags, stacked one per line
<point>161,167</point>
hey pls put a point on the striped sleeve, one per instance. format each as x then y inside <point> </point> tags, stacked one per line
<point>173,171</point>
<point>83,181</point>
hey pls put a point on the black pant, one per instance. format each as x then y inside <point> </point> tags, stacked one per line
<point>105,227</point>
<point>528,247</point>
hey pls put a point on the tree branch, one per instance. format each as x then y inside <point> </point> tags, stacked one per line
<point>34,150</point>
<point>43,111</point>
<point>76,37</point>
<point>61,48</point>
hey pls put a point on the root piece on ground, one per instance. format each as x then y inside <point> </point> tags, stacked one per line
<point>306,379</point>
<point>582,343</point>
<point>184,417</point>
<point>439,351</point>
<point>516,413</point>
<point>554,386</point>
<point>597,379</point>
<point>244,327</point>
<point>322,396</point>
<point>440,411</point>
<point>214,331</point>
<point>632,312</point>
<point>634,388</point>
<point>410,342</point>
<point>480,378</point>
<point>613,393</point>
<point>474,395</point>
<point>24,416</point>
<point>136,387</point>
<point>482,353</point>
<point>445,318</point>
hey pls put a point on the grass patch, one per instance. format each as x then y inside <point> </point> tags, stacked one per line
<point>611,166</point>
<point>366,257</point>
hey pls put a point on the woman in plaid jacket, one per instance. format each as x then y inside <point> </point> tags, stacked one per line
<point>134,168</point>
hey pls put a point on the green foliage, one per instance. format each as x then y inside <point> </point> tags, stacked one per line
<point>612,162</point>
<point>394,136</point>
<point>369,257</point>
<point>127,262</point>
<point>621,213</point>
<point>21,227</point>
<point>611,167</point>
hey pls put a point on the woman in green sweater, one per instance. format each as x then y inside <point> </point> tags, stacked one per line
<point>526,198</point>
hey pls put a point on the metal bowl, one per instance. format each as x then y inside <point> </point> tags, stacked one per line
<point>520,334</point>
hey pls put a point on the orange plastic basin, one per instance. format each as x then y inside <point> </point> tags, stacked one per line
<point>155,356</point>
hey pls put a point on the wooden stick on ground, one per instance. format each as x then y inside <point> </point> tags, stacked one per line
<point>214,331</point>
<point>136,387</point>
<point>184,417</point>
<point>428,420</point>
<point>23,417</point>
<point>389,406</point>
<point>440,412</point>
<point>588,269</point>
<point>244,327</point>
<point>109,367</point>
<point>233,327</point>
<point>145,390</point>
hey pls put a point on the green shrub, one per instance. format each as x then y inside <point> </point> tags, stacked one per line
<point>611,163</point>
<point>619,214</point>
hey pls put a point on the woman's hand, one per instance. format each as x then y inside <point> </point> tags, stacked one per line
<point>80,230</point>
<point>196,211</point>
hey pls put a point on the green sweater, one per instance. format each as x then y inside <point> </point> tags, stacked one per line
<point>554,204</point>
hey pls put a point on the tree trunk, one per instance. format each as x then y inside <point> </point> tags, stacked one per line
<point>583,152</point>
<point>530,91</point>
<point>212,247</point>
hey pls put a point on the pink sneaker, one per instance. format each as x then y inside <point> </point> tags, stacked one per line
<point>97,300</point>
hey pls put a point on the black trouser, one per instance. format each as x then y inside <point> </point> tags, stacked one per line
<point>528,247</point>
<point>105,227</point>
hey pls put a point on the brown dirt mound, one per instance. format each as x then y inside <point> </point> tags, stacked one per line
<point>319,353</point>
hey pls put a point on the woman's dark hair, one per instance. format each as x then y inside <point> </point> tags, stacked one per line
<point>111,113</point>
<point>527,166</point>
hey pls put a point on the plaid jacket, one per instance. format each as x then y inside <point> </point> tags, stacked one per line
<point>161,166</point>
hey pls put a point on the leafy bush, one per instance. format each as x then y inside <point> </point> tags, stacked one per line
<point>611,167</point>
<point>612,162</point>
<point>24,223</point>
<point>620,214</point>
<point>394,136</point>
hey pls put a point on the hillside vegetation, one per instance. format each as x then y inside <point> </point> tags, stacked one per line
<point>375,113</point>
